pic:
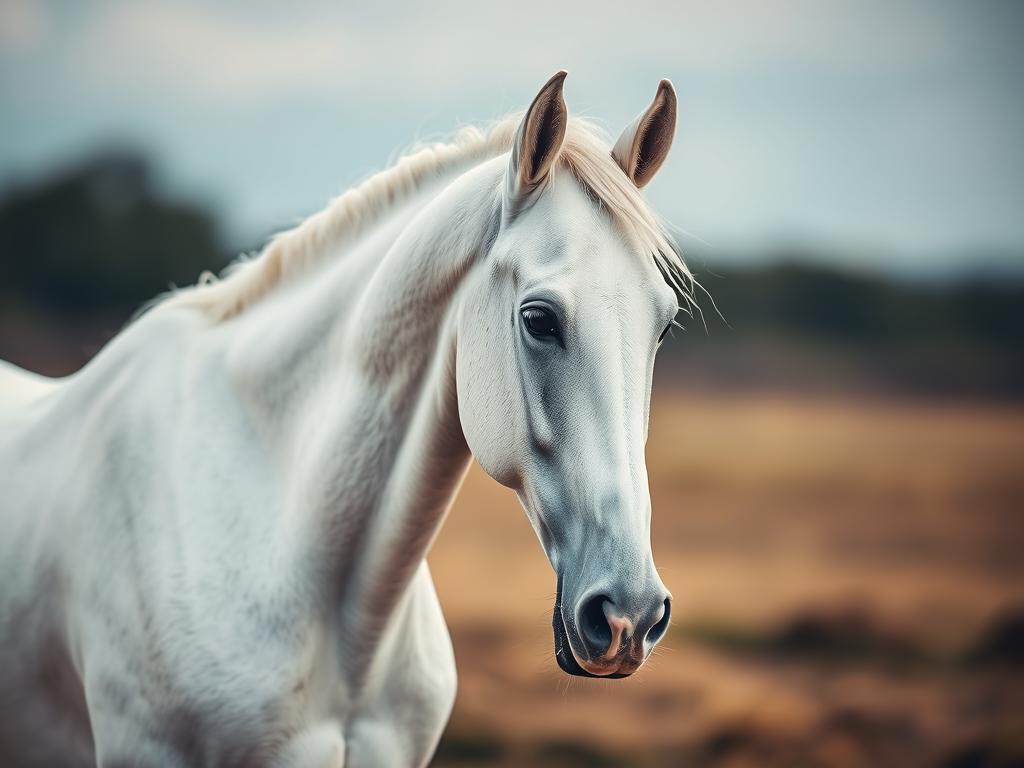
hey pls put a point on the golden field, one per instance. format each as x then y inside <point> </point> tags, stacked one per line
<point>848,581</point>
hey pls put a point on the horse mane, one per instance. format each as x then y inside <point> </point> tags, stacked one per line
<point>585,153</point>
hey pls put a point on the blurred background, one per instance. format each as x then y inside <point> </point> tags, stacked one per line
<point>836,461</point>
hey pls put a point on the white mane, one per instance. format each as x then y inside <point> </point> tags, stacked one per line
<point>585,154</point>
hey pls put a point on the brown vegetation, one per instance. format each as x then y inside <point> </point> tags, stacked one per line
<point>849,590</point>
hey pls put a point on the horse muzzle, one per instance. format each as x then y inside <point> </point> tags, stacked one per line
<point>608,637</point>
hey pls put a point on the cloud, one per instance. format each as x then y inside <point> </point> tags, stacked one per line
<point>23,25</point>
<point>897,119</point>
<point>193,49</point>
<point>439,48</point>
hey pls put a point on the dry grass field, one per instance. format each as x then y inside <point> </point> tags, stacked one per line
<point>849,590</point>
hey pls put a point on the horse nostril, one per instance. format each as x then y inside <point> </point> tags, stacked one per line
<point>655,633</point>
<point>593,624</point>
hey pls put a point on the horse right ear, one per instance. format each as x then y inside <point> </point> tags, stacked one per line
<point>538,140</point>
<point>644,145</point>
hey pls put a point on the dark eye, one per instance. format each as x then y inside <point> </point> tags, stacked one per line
<point>541,323</point>
<point>664,333</point>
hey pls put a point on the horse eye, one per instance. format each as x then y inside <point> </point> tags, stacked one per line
<point>664,333</point>
<point>540,323</point>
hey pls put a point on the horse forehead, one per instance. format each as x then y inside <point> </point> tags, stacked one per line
<point>564,222</point>
<point>568,232</point>
<point>595,261</point>
<point>569,242</point>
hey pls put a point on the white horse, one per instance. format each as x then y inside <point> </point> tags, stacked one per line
<point>212,537</point>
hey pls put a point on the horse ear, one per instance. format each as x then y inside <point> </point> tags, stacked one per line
<point>538,139</point>
<point>644,145</point>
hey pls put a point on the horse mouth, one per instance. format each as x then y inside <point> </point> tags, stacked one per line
<point>566,659</point>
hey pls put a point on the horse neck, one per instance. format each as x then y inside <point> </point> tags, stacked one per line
<point>363,401</point>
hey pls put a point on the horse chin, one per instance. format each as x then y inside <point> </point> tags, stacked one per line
<point>563,651</point>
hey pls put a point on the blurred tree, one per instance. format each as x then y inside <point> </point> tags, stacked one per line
<point>94,242</point>
<point>793,325</point>
<point>98,238</point>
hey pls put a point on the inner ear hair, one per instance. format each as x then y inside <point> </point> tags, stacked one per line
<point>644,145</point>
<point>543,132</point>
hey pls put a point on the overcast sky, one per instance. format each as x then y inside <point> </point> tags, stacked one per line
<point>890,132</point>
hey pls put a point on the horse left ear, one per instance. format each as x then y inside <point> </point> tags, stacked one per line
<point>538,140</point>
<point>644,145</point>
